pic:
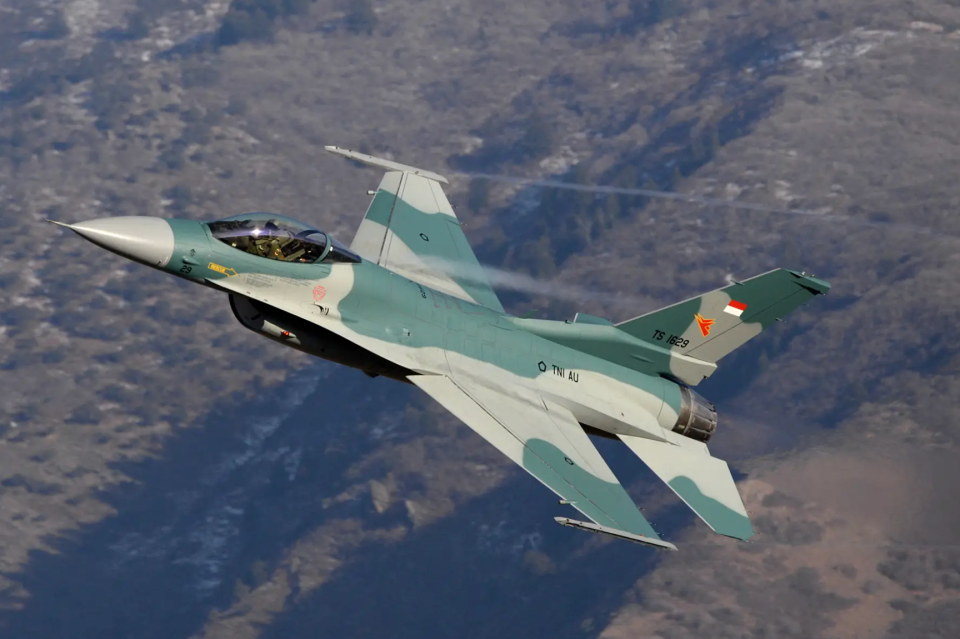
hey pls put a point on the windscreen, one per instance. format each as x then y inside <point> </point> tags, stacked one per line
<point>277,237</point>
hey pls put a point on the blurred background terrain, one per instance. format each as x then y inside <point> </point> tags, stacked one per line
<point>165,473</point>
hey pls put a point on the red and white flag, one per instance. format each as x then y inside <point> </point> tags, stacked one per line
<point>735,308</point>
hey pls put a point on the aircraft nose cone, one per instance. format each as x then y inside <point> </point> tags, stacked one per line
<point>145,239</point>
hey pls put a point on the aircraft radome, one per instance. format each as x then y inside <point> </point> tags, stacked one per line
<point>408,300</point>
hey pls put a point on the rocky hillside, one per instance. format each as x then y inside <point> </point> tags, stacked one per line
<point>165,473</point>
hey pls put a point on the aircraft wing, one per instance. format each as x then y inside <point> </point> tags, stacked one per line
<point>548,442</point>
<point>411,229</point>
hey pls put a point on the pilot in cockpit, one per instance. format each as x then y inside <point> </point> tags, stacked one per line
<point>279,238</point>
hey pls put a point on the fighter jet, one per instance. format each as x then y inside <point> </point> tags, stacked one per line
<point>408,300</point>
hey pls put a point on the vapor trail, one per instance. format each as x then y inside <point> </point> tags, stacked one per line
<point>699,199</point>
<point>523,283</point>
<point>517,281</point>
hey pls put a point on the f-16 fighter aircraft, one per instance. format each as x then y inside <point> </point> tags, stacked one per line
<point>408,300</point>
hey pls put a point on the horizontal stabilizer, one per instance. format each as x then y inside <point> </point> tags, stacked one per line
<point>703,482</point>
<point>613,532</point>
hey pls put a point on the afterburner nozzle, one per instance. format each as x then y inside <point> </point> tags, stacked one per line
<point>148,240</point>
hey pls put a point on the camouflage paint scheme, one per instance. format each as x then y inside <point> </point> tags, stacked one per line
<point>418,308</point>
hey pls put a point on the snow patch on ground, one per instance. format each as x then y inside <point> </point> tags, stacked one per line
<point>87,19</point>
<point>836,51</point>
<point>841,49</point>
<point>559,162</point>
<point>781,191</point>
<point>471,144</point>
<point>731,191</point>
<point>81,16</point>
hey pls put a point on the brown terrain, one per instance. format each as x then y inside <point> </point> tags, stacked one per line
<point>165,473</point>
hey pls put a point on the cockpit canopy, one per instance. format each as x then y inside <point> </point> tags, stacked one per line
<point>281,238</point>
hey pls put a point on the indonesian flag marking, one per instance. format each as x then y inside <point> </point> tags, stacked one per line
<point>735,308</point>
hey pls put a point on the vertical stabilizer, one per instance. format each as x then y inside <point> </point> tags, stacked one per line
<point>711,326</point>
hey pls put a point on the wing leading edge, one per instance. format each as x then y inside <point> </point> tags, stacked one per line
<point>411,229</point>
<point>548,442</point>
